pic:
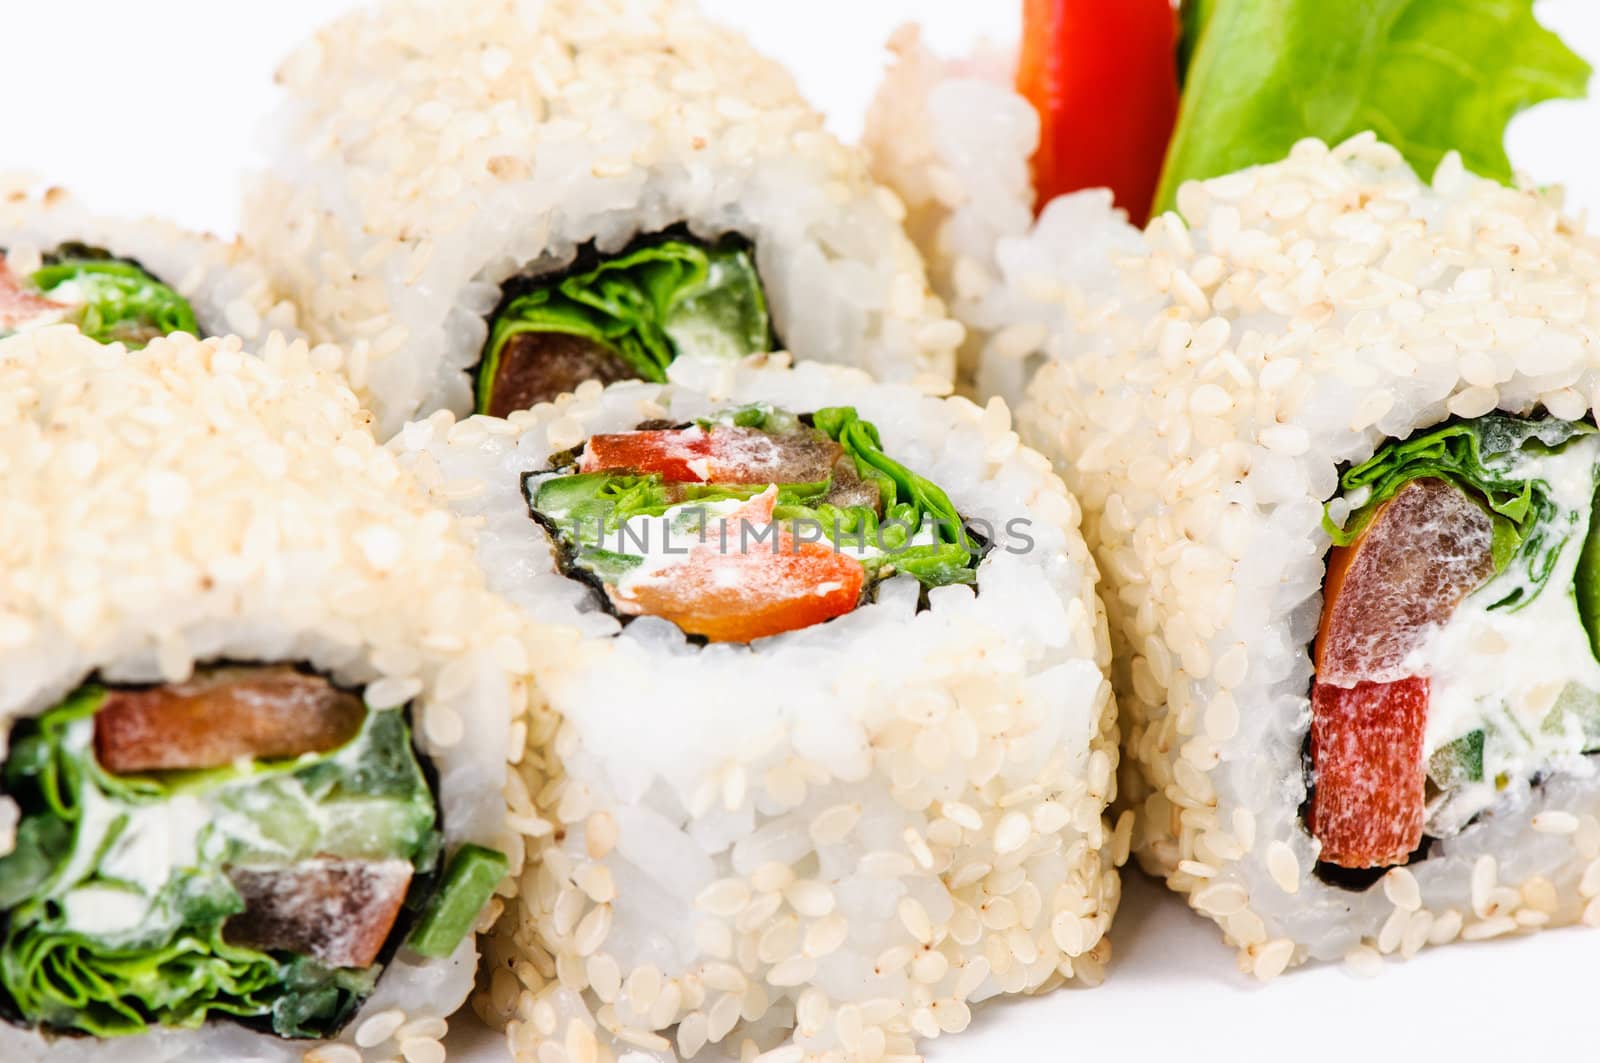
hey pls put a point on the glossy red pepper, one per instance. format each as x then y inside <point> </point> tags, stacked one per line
<point>1103,75</point>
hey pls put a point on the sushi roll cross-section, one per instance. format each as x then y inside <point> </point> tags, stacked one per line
<point>626,317</point>
<point>1455,662</point>
<point>827,742</point>
<point>125,281</point>
<point>750,523</point>
<point>1333,430</point>
<point>113,300</point>
<point>489,203</point>
<point>245,844</point>
<point>255,700</point>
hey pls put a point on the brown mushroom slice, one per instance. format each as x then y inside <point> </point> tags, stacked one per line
<point>536,367</point>
<point>720,454</point>
<point>1424,550</point>
<point>849,489</point>
<point>338,912</point>
<point>221,716</point>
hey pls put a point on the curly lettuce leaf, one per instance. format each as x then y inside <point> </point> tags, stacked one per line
<point>1429,76</point>
<point>120,303</point>
<point>910,502</point>
<point>175,967</point>
<point>581,509</point>
<point>646,306</point>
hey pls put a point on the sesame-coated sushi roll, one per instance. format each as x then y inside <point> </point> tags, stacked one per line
<point>1342,481</point>
<point>124,281</point>
<point>954,138</point>
<point>255,701</point>
<point>490,202</point>
<point>1022,164</point>
<point>828,752</point>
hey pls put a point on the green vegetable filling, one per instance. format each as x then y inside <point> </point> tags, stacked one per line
<point>114,300</point>
<point>1486,459</point>
<point>469,882</point>
<point>1459,762</point>
<point>1505,465</point>
<point>646,307</point>
<point>913,528</point>
<point>910,502</point>
<point>116,895</point>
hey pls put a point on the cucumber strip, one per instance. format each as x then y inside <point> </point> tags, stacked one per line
<point>469,882</point>
<point>1586,582</point>
<point>1459,762</point>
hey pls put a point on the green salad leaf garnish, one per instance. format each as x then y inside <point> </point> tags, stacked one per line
<point>1429,76</point>
<point>646,306</point>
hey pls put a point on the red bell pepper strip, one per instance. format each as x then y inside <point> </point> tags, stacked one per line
<point>677,455</point>
<point>1103,76</point>
<point>735,589</point>
<point>1366,743</point>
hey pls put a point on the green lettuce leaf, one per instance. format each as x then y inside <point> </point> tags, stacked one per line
<point>910,501</point>
<point>582,509</point>
<point>1586,582</point>
<point>175,968</point>
<point>646,307</point>
<point>121,302</point>
<point>1429,76</point>
<point>1481,458</point>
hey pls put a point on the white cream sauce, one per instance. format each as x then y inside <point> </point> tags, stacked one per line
<point>125,855</point>
<point>1525,677</point>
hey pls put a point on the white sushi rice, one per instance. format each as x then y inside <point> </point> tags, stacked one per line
<point>1202,407</point>
<point>191,502</point>
<point>830,842</point>
<point>227,289</point>
<point>429,151</point>
<point>953,138</point>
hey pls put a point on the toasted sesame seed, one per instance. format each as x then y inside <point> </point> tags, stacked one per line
<point>1272,958</point>
<point>1283,866</point>
<point>1363,961</point>
<point>1488,928</point>
<point>831,826</point>
<point>726,897</point>
<point>1554,821</point>
<point>1400,886</point>
<point>379,1028</point>
<point>422,1050</point>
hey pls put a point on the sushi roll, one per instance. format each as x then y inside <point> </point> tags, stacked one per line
<point>255,701</point>
<point>1342,482</point>
<point>490,202</point>
<point>124,281</point>
<point>1022,165</point>
<point>829,759</point>
<point>955,138</point>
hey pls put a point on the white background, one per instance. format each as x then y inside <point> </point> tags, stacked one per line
<point>152,107</point>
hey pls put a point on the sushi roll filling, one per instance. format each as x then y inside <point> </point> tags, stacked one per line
<point>109,299</point>
<point>251,844</point>
<point>749,523</point>
<point>1456,661</point>
<point>622,317</point>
